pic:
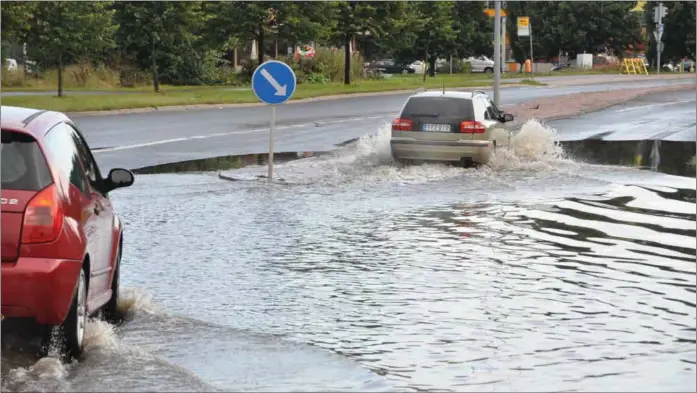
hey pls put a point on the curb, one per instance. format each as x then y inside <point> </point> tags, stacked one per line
<point>587,110</point>
<point>257,104</point>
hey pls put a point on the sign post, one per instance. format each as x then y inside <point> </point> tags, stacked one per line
<point>273,82</point>
<point>525,30</point>
<point>497,51</point>
<point>658,14</point>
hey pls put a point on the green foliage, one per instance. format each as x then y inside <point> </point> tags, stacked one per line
<point>66,31</point>
<point>475,30</point>
<point>574,27</point>
<point>62,32</point>
<point>679,30</point>
<point>161,36</point>
<point>191,42</point>
<point>16,17</point>
<point>459,67</point>
<point>327,65</point>
<point>428,31</point>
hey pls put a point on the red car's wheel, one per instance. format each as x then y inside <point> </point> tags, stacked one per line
<point>72,331</point>
<point>111,312</point>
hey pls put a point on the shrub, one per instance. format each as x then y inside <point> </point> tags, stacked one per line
<point>317,78</point>
<point>459,67</point>
<point>329,63</point>
<point>14,78</point>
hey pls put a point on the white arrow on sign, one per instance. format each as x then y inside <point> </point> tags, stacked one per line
<point>280,90</point>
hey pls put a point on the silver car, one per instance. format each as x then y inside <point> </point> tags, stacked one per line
<point>449,126</point>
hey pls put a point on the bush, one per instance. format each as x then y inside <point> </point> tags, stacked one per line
<point>459,67</point>
<point>329,63</point>
<point>14,78</point>
<point>317,78</point>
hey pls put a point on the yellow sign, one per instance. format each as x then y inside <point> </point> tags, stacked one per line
<point>523,26</point>
<point>492,12</point>
<point>639,7</point>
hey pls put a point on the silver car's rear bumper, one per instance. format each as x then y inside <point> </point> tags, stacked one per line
<point>445,151</point>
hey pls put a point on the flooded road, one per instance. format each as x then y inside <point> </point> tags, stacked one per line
<point>535,273</point>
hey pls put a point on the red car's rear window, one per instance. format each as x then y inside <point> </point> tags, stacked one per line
<point>23,164</point>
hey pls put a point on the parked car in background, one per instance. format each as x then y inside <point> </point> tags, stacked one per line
<point>61,238</point>
<point>389,66</point>
<point>480,64</point>
<point>418,66</point>
<point>11,64</point>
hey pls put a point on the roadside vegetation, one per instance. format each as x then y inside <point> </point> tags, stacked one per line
<point>196,51</point>
<point>176,95</point>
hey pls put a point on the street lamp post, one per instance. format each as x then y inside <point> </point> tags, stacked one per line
<point>497,51</point>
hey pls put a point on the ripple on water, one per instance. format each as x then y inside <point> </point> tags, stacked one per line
<point>542,273</point>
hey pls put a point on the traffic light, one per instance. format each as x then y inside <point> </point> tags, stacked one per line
<point>659,13</point>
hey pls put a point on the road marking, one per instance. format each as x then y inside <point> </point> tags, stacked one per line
<point>653,105</point>
<point>280,90</point>
<point>222,134</point>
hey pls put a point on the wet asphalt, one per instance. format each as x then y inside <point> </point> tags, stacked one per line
<point>145,139</point>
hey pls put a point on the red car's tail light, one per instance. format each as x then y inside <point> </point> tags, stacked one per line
<point>472,127</point>
<point>43,219</point>
<point>402,125</point>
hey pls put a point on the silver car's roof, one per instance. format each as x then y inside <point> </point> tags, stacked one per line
<point>448,94</point>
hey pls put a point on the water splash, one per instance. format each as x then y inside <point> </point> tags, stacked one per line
<point>135,300</point>
<point>49,374</point>
<point>533,148</point>
<point>46,375</point>
<point>369,162</point>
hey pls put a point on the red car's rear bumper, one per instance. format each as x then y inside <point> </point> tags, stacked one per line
<point>39,288</point>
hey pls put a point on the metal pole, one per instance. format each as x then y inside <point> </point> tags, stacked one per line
<point>532,55</point>
<point>658,37</point>
<point>451,64</point>
<point>271,132</point>
<point>503,44</point>
<point>497,52</point>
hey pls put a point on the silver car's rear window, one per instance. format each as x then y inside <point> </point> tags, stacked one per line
<point>439,107</point>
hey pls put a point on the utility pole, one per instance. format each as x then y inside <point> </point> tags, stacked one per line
<point>503,43</point>
<point>658,14</point>
<point>497,52</point>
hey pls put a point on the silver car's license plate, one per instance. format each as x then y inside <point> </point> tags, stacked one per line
<point>437,127</point>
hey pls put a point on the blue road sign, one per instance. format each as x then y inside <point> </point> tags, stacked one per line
<point>273,82</point>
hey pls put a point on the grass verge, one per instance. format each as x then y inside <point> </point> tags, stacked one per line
<point>176,97</point>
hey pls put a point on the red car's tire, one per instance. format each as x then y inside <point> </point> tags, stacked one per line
<point>110,311</point>
<point>71,337</point>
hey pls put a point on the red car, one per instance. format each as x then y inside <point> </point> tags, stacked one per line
<point>61,239</point>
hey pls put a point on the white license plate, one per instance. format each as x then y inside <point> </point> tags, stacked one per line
<point>437,127</point>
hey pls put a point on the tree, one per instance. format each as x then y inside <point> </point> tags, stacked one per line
<point>60,32</point>
<point>243,20</point>
<point>157,33</point>
<point>428,31</point>
<point>475,30</point>
<point>304,21</point>
<point>15,25</point>
<point>355,17</point>
<point>574,27</point>
<point>678,33</point>
<point>16,16</point>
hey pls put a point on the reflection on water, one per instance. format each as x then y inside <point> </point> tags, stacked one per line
<point>456,290</point>
<point>523,276</point>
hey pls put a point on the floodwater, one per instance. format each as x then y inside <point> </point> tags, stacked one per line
<point>536,273</point>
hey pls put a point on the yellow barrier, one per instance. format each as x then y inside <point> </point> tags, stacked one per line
<point>633,67</point>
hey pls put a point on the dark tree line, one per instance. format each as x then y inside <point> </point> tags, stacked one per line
<point>179,42</point>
